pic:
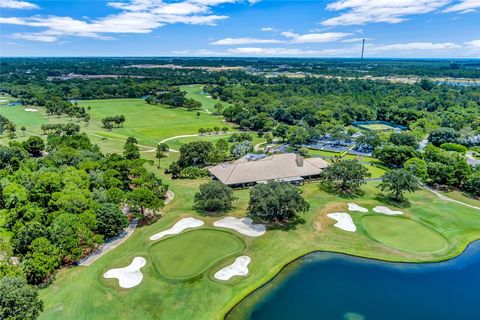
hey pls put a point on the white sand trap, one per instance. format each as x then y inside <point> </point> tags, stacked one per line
<point>178,227</point>
<point>356,207</point>
<point>31,110</point>
<point>130,276</point>
<point>2,101</point>
<point>344,221</point>
<point>242,225</point>
<point>386,210</point>
<point>238,268</point>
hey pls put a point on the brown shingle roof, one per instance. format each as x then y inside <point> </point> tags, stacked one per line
<point>274,167</point>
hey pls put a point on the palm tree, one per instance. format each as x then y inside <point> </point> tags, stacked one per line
<point>162,149</point>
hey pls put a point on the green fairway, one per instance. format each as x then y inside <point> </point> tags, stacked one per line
<point>195,91</point>
<point>190,254</point>
<point>148,123</point>
<point>81,293</point>
<point>403,233</point>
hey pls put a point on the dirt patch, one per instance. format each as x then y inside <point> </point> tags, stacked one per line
<point>321,220</point>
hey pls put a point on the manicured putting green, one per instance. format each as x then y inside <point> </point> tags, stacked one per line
<point>191,253</point>
<point>403,233</point>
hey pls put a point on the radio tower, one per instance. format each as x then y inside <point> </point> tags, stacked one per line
<point>363,49</point>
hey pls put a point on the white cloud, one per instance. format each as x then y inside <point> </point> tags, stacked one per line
<point>464,6</point>
<point>353,40</point>
<point>268,29</point>
<point>315,37</point>
<point>355,12</point>
<point>474,44</point>
<point>415,46</point>
<point>136,16</point>
<point>14,4</point>
<point>237,41</point>
<point>255,51</point>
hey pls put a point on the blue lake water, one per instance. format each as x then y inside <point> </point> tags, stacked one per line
<point>326,286</point>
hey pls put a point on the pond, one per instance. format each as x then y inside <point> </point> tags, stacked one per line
<point>329,286</point>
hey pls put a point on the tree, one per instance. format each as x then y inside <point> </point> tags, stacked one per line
<point>297,136</point>
<point>110,220</point>
<point>418,167</point>
<point>130,149</point>
<point>72,236</point>
<point>23,128</point>
<point>18,300</point>
<point>472,185</point>
<point>86,119</point>
<point>395,156</point>
<point>142,198</point>
<point>242,148</point>
<point>202,131</point>
<point>369,140</point>
<point>161,152</point>
<point>214,197</point>
<point>281,131</point>
<point>276,202</point>
<point>225,129</point>
<point>403,139</point>
<point>218,107</point>
<point>443,135</point>
<point>34,145</point>
<point>268,137</point>
<point>195,153</point>
<point>346,175</point>
<point>41,261</point>
<point>397,182</point>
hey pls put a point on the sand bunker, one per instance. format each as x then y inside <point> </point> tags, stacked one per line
<point>2,101</point>
<point>178,227</point>
<point>386,210</point>
<point>344,221</point>
<point>130,276</point>
<point>242,225</point>
<point>356,207</point>
<point>31,110</point>
<point>238,268</point>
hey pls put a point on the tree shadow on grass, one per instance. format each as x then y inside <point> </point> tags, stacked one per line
<point>282,226</point>
<point>332,189</point>
<point>385,199</point>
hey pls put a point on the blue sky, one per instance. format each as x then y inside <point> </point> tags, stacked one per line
<point>328,28</point>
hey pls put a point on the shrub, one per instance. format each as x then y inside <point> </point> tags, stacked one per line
<point>453,147</point>
<point>193,173</point>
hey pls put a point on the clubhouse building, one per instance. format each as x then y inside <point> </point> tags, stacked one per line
<point>253,169</point>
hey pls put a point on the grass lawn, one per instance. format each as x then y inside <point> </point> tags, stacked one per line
<point>403,233</point>
<point>190,254</point>
<point>148,123</point>
<point>376,127</point>
<point>82,293</point>
<point>373,165</point>
<point>460,196</point>
<point>5,99</point>
<point>194,91</point>
<point>176,143</point>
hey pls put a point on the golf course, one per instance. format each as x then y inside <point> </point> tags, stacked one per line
<point>178,276</point>
<point>192,253</point>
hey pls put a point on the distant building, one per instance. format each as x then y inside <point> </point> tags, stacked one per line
<point>250,170</point>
